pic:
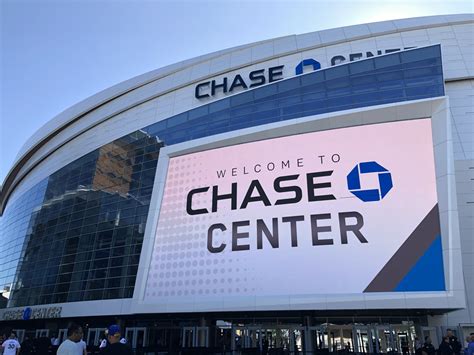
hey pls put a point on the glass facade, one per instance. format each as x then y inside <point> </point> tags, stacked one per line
<point>77,235</point>
<point>82,232</point>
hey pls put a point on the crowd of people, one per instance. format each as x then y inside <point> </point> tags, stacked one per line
<point>112,344</point>
<point>450,345</point>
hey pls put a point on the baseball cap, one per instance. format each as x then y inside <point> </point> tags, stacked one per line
<point>113,330</point>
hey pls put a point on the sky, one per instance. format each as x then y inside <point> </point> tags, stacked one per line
<point>54,54</point>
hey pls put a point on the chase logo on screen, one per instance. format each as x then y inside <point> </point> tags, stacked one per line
<point>369,195</point>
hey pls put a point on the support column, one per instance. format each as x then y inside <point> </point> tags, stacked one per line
<point>308,336</point>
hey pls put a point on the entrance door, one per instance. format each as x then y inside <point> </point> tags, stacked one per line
<point>362,339</point>
<point>297,340</point>
<point>251,338</point>
<point>93,336</point>
<point>222,337</point>
<point>20,334</point>
<point>136,337</point>
<point>384,339</point>
<point>42,333</point>
<point>195,337</point>
<point>247,337</point>
<point>62,335</point>
<point>202,337</point>
<point>188,337</point>
<point>432,333</point>
<point>315,338</point>
<point>339,338</point>
<point>405,338</point>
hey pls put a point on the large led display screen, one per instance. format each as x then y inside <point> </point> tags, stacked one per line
<point>344,211</point>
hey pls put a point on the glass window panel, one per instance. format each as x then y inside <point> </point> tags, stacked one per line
<point>312,78</point>
<point>265,92</point>
<point>219,105</point>
<point>430,62</point>
<point>156,128</point>
<point>337,72</point>
<point>242,98</point>
<point>177,120</point>
<point>292,84</point>
<point>318,87</point>
<point>421,91</point>
<point>420,53</point>
<point>361,66</point>
<point>198,112</point>
<point>387,61</point>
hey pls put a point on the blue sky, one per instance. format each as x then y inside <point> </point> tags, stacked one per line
<point>56,53</point>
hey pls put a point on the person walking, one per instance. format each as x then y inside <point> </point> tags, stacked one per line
<point>70,345</point>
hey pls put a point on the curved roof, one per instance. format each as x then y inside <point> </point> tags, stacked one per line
<point>293,44</point>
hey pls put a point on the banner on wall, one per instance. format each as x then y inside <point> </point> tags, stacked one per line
<point>343,211</point>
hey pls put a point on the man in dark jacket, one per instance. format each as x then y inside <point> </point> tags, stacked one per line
<point>454,342</point>
<point>428,348</point>
<point>445,348</point>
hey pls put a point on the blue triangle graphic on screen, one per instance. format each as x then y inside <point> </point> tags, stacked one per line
<point>428,272</point>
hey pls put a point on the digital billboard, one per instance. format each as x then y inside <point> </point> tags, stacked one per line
<point>344,211</point>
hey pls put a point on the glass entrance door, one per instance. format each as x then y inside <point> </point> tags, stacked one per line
<point>339,337</point>
<point>375,338</point>
<point>165,339</point>
<point>136,337</point>
<point>315,339</point>
<point>42,333</point>
<point>247,337</point>
<point>297,340</point>
<point>187,339</point>
<point>404,338</point>
<point>195,337</point>
<point>276,337</point>
<point>362,339</point>
<point>432,333</point>
<point>62,335</point>
<point>94,335</point>
<point>384,339</point>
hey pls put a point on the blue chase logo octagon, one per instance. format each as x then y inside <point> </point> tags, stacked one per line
<point>27,313</point>
<point>369,195</point>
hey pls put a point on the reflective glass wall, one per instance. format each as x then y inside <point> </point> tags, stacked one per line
<point>83,231</point>
<point>77,235</point>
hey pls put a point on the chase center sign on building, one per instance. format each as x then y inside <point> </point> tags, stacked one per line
<point>325,177</point>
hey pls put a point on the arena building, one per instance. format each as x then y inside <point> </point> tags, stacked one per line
<point>310,193</point>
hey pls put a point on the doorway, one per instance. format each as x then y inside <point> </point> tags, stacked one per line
<point>195,337</point>
<point>136,337</point>
<point>40,333</point>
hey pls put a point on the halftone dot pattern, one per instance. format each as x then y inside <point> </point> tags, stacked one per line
<point>181,265</point>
